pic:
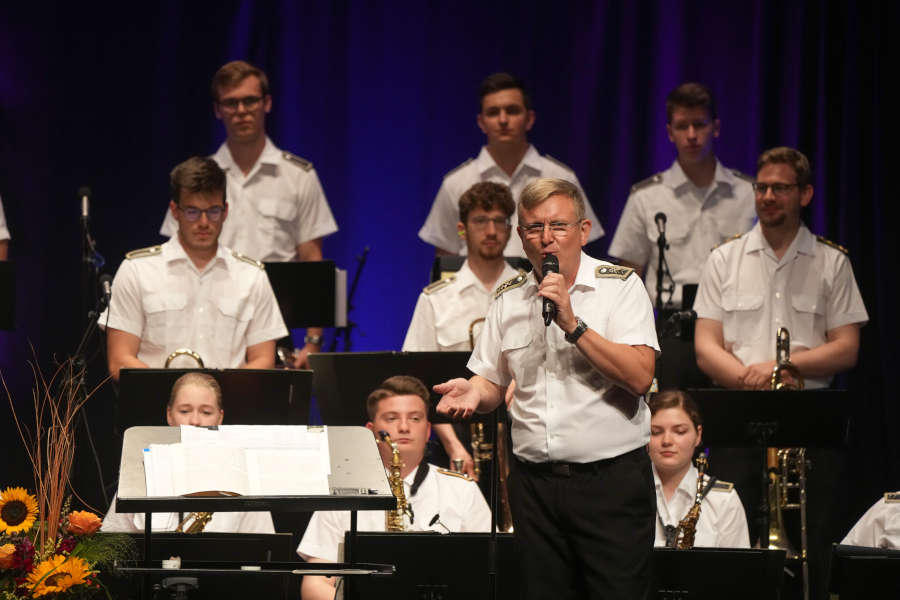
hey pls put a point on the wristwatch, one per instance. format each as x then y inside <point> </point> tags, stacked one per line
<point>580,328</point>
<point>315,340</point>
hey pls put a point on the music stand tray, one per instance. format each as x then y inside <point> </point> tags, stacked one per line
<point>859,573</point>
<point>714,573</point>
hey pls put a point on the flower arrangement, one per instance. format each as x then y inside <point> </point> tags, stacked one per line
<point>47,549</point>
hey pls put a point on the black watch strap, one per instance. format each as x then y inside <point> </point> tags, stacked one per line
<point>579,330</point>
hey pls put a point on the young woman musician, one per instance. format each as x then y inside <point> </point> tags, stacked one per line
<point>675,433</point>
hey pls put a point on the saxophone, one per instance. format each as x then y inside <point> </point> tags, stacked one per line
<point>687,527</point>
<point>395,520</point>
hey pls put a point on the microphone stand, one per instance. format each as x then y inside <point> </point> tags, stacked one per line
<point>493,554</point>
<point>660,270</point>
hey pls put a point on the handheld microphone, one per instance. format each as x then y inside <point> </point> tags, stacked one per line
<point>550,265</point>
<point>106,288</point>
<point>437,519</point>
<point>660,219</point>
<point>84,194</point>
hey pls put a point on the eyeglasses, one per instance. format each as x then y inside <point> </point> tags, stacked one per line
<point>213,213</point>
<point>559,229</point>
<point>232,104</point>
<point>779,189</point>
<point>482,222</point>
<point>685,125</point>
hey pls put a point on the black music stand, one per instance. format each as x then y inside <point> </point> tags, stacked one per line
<point>292,282</point>
<point>7,295</point>
<point>343,380</point>
<point>859,573</point>
<point>714,573</point>
<point>249,396</point>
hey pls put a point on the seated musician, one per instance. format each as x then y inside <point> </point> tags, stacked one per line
<point>879,527</point>
<point>196,399</point>
<point>400,407</point>
<point>675,432</point>
<point>448,309</point>
<point>191,292</point>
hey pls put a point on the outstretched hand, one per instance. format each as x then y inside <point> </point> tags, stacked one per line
<point>459,398</point>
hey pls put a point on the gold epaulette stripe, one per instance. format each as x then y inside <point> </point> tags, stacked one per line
<point>653,180</point>
<point>722,486</point>
<point>892,497</point>
<point>736,236</point>
<point>438,285</point>
<point>613,271</point>
<point>454,474</point>
<point>142,252</point>
<point>248,260</point>
<point>301,162</point>
<point>510,284</point>
<point>834,245</point>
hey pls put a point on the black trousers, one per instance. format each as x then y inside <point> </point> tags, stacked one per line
<point>588,534</point>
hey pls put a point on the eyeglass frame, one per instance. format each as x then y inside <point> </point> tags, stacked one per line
<point>221,210</point>
<point>481,222</point>
<point>781,190</point>
<point>531,230</point>
<point>234,104</point>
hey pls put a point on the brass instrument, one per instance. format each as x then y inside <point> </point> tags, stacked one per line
<point>687,527</point>
<point>199,520</point>
<point>395,520</point>
<point>184,352</point>
<point>787,466</point>
<point>472,332</point>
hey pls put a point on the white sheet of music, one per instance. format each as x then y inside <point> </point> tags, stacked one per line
<point>256,460</point>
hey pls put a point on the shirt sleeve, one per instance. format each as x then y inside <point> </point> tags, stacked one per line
<point>478,515</point>
<point>845,304</point>
<point>323,535</point>
<point>267,323</point>
<point>869,528</point>
<point>256,522</point>
<point>708,303</point>
<point>117,522</point>
<point>631,322</point>
<point>439,229</point>
<point>487,359</point>
<point>732,525</point>
<point>314,218</point>
<point>126,310</point>
<point>630,242</point>
<point>421,336</point>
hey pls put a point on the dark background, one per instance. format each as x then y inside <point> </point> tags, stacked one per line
<point>381,97</point>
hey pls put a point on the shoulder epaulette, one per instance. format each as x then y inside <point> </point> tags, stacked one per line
<point>142,252</point>
<point>654,180</point>
<point>454,474</point>
<point>834,245</point>
<point>457,168</point>
<point>736,236</point>
<point>892,497</point>
<point>559,163</point>
<point>743,176</point>
<point>248,260</point>
<point>301,162</point>
<point>438,285</point>
<point>512,283</point>
<point>613,271</point>
<point>722,486</point>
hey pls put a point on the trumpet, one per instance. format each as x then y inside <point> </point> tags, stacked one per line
<point>184,352</point>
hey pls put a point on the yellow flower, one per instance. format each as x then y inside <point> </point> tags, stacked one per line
<point>6,555</point>
<point>82,522</point>
<point>57,575</point>
<point>18,510</point>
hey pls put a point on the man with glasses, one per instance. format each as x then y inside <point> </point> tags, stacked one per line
<point>703,201</point>
<point>505,116</point>
<point>278,209</point>
<point>450,310</point>
<point>191,292</point>
<point>581,489</point>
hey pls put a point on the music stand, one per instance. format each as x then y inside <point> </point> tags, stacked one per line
<point>734,573</point>
<point>862,573</point>
<point>357,482</point>
<point>249,396</point>
<point>7,295</point>
<point>292,282</point>
<point>343,380</point>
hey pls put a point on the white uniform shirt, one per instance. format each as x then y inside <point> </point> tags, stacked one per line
<point>458,501</point>
<point>879,527</point>
<point>446,309</point>
<point>440,230</point>
<point>164,300</point>
<point>4,231</point>
<point>694,224</point>
<point>722,522</point>
<point>564,408</point>
<point>221,522</point>
<point>810,291</point>
<point>276,206</point>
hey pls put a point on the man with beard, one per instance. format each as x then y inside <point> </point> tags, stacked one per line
<point>448,308</point>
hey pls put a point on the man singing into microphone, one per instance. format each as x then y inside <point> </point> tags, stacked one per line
<point>581,488</point>
<point>705,202</point>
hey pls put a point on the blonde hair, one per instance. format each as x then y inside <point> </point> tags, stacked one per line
<point>200,380</point>
<point>540,190</point>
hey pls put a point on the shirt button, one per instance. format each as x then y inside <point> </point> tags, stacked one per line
<point>778,294</point>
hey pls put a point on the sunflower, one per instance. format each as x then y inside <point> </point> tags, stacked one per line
<point>18,510</point>
<point>57,575</point>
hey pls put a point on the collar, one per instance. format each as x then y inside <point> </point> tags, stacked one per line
<point>687,485</point>
<point>484,162</point>
<point>466,277</point>
<point>674,176</point>
<point>270,156</point>
<point>172,251</point>
<point>803,243</point>
<point>586,276</point>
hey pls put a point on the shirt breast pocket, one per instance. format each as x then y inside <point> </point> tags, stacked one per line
<point>232,320</point>
<point>163,313</point>
<point>277,214</point>
<point>742,318</point>
<point>520,348</point>
<point>807,319</point>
